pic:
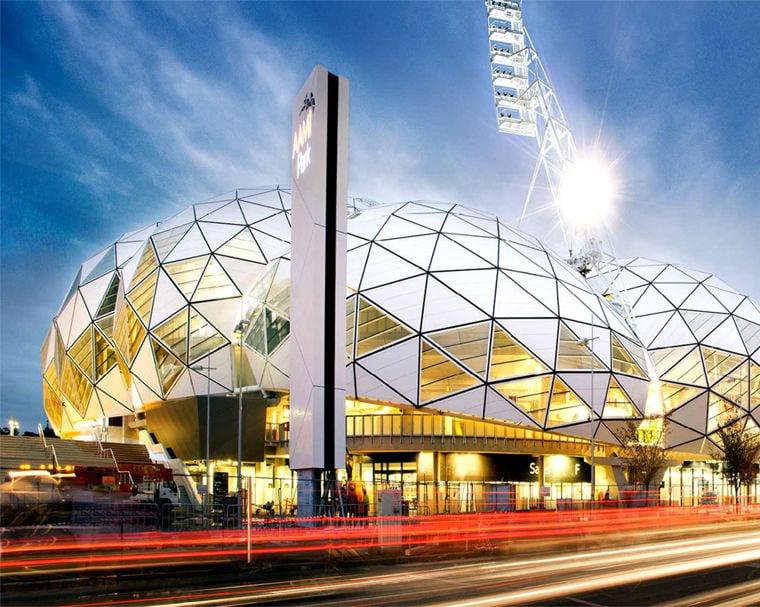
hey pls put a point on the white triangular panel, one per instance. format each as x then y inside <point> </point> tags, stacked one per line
<point>467,403</point>
<point>355,264</point>
<point>679,435</point>
<point>185,216</point>
<point>145,394</point>
<point>486,247</point>
<point>370,387</point>
<point>403,300</point>
<point>599,342</point>
<point>242,273</point>
<point>167,301</point>
<point>280,358</point>
<point>606,432</point>
<point>477,286</point>
<point>537,335</point>
<point>425,216</point>
<point>192,245</point>
<point>93,410</point>
<point>397,227</point>
<point>584,430</point>
<point>693,414</point>
<point>675,333</point>
<point>112,407</point>
<point>144,368</point>
<point>113,384</point>
<point>512,259</point>
<point>591,392</point>
<point>456,226</point>
<point>652,301</point>
<point>182,387</point>
<point>636,389</point>
<point>352,242</point>
<point>451,256</point>
<point>125,251</point>
<point>499,408</point>
<point>537,256</point>
<point>748,311</point>
<point>397,366</point>
<point>384,267</point>
<point>228,213</point>
<point>513,301</point>
<point>726,337</point>
<point>570,307</point>
<point>275,225</point>
<point>224,315</point>
<point>64,320</point>
<point>255,212</point>
<point>702,323</point>
<point>417,250</point>
<point>93,292</point>
<point>673,274</point>
<point>485,223</point>
<point>703,301</point>
<point>79,321</point>
<point>729,299</point>
<point>216,234</point>
<point>676,293</point>
<point>444,308</point>
<point>270,246</point>
<point>646,269</point>
<point>92,263</point>
<point>647,327</point>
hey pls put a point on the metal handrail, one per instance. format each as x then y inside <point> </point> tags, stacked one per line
<point>51,447</point>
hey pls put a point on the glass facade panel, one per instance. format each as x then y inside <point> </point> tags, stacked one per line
<point>105,324</point>
<point>439,376</point>
<point>243,246</point>
<point>736,386</point>
<point>108,305</point>
<point>215,284</point>
<point>257,336</point>
<point>509,359</point>
<point>754,381</point>
<point>81,352</point>
<point>204,338</point>
<point>75,386</point>
<point>165,241</point>
<point>718,364</point>
<point>141,297</point>
<point>146,265</point>
<point>573,356</point>
<point>167,365</point>
<point>719,413</point>
<point>173,332</point>
<point>350,318</point>
<point>187,273</point>
<point>105,357</point>
<point>531,395</point>
<point>376,329</point>
<point>688,371</point>
<point>565,407</point>
<point>666,358</point>
<point>618,405</point>
<point>674,396</point>
<point>278,328</point>
<point>622,361</point>
<point>469,345</point>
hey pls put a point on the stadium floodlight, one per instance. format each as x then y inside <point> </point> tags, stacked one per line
<point>586,194</point>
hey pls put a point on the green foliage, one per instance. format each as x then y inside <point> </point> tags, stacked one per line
<point>741,450</point>
<point>642,450</point>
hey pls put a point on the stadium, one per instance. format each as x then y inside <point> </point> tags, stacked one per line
<point>475,356</point>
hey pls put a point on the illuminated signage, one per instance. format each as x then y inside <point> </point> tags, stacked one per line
<point>302,136</point>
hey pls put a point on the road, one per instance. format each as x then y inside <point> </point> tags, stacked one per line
<point>707,564</point>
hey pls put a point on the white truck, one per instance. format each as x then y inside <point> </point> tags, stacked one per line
<point>163,493</point>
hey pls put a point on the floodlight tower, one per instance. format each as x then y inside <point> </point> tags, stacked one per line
<point>527,105</point>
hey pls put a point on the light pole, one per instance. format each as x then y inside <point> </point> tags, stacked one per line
<point>588,342</point>
<point>208,427</point>
<point>13,426</point>
<point>240,330</point>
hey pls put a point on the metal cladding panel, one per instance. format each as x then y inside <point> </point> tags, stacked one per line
<point>318,272</point>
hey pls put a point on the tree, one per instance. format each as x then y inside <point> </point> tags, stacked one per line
<point>642,450</point>
<point>741,449</point>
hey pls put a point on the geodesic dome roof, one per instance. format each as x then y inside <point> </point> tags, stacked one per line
<point>704,340</point>
<point>147,309</point>
<point>449,308</point>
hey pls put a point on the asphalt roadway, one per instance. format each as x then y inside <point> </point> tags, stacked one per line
<point>712,563</point>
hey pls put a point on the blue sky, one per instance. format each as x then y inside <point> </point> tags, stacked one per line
<point>118,115</point>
